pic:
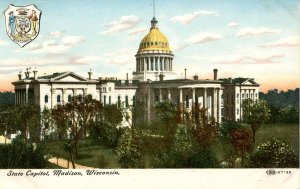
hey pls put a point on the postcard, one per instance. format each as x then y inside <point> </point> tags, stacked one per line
<point>149,94</point>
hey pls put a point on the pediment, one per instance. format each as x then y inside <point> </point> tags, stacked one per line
<point>69,76</point>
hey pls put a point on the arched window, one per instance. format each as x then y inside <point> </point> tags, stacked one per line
<point>109,100</point>
<point>187,101</point>
<point>104,99</point>
<point>46,98</point>
<point>133,100</point>
<point>58,98</point>
<point>119,101</point>
<point>126,101</point>
<point>69,98</point>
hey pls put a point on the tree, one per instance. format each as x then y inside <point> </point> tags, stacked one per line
<point>255,113</point>
<point>105,129</point>
<point>76,117</point>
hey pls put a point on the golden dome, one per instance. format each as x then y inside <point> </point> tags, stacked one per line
<point>154,40</point>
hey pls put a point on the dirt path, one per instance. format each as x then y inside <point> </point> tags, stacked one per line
<point>64,163</point>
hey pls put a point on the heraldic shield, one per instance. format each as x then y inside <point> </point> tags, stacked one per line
<point>22,23</point>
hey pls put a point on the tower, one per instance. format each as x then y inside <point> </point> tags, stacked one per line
<point>154,56</point>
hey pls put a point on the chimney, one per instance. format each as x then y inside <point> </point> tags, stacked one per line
<point>20,75</point>
<point>215,74</point>
<point>34,74</point>
<point>27,73</point>
<point>161,77</point>
<point>127,80</point>
<point>90,74</point>
<point>184,73</point>
<point>196,76</point>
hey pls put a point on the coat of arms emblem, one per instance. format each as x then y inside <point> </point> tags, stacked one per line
<point>22,23</point>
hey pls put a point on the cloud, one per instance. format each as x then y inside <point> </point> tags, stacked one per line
<point>232,24</point>
<point>134,32</point>
<point>119,57</point>
<point>84,60</point>
<point>56,34</point>
<point>249,59</point>
<point>257,31</point>
<point>203,38</point>
<point>291,41</point>
<point>3,43</point>
<point>72,40</point>
<point>125,23</point>
<point>189,17</point>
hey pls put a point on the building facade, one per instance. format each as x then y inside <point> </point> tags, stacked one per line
<point>153,81</point>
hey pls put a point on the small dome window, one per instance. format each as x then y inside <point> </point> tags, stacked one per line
<point>155,43</point>
<point>151,43</point>
<point>148,43</point>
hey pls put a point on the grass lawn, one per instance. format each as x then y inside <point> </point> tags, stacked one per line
<point>92,155</point>
<point>286,132</point>
<point>95,155</point>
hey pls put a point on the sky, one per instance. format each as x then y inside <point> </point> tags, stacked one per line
<point>250,38</point>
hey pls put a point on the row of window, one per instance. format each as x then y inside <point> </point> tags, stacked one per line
<point>155,43</point>
<point>119,100</point>
<point>104,89</point>
<point>58,98</point>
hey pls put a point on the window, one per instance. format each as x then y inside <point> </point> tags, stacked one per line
<point>46,98</point>
<point>109,89</point>
<point>251,95</point>
<point>119,101</point>
<point>222,111</point>
<point>109,100</point>
<point>156,99</point>
<point>242,95</point>
<point>237,111</point>
<point>133,100</point>
<point>69,98</point>
<point>255,95</point>
<point>126,102</point>
<point>58,98</point>
<point>104,99</point>
<point>238,101</point>
<point>187,101</point>
<point>80,98</point>
<point>196,99</point>
<point>237,95</point>
<point>247,95</point>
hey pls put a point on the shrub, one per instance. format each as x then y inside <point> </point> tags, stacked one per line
<point>274,154</point>
<point>22,155</point>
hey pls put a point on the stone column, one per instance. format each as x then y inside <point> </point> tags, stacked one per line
<point>169,95</point>
<point>52,97</point>
<point>63,96</point>
<point>215,107</point>
<point>160,95</point>
<point>193,97</point>
<point>84,92</point>
<point>180,96</point>
<point>149,64</point>
<point>163,64</point>
<point>26,95</point>
<point>218,106</point>
<point>205,98</point>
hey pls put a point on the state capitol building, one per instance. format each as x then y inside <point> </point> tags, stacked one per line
<point>153,81</point>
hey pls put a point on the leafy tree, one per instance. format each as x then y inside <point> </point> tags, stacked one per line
<point>26,119</point>
<point>241,140</point>
<point>105,130</point>
<point>289,115</point>
<point>7,98</point>
<point>129,149</point>
<point>76,117</point>
<point>274,154</point>
<point>255,113</point>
